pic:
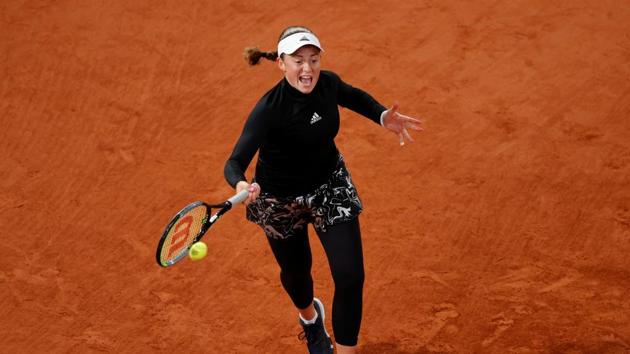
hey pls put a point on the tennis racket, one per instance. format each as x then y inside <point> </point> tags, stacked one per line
<point>188,226</point>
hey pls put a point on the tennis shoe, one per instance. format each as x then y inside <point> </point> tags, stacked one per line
<point>317,339</point>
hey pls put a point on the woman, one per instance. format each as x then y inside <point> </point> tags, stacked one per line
<point>301,178</point>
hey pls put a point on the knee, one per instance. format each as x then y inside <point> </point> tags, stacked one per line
<point>349,280</point>
<point>299,286</point>
<point>295,277</point>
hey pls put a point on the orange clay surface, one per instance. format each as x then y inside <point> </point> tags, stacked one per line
<point>505,227</point>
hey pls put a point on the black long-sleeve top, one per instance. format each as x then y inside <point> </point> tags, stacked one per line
<point>294,135</point>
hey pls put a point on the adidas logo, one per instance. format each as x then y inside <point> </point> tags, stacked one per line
<point>315,118</point>
<point>304,38</point>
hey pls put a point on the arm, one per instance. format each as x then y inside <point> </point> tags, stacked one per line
<point>359,101</point>
<point>362,103</point>
<point>249,142</point>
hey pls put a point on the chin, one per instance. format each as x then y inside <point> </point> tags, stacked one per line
<point>306,89</point>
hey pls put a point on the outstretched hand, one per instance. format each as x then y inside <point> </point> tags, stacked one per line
<point>399,124</point>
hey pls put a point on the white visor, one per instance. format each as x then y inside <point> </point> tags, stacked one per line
<point>296,41</point>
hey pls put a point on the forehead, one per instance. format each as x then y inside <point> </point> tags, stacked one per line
<point>306,51</point>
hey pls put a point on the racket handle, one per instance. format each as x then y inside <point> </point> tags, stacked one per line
<point>239,197</point>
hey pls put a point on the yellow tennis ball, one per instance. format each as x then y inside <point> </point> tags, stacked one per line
<point>198,251</point>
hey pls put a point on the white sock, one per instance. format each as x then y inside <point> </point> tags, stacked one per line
<point>309,322</point>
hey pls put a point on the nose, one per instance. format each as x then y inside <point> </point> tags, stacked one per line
<point>306,67</point>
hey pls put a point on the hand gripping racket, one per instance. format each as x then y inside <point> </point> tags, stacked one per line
<point>188,226</point>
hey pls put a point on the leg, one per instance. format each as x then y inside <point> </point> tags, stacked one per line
<point>342,244</point>
<point>294,258</point>
<point>345,349</point>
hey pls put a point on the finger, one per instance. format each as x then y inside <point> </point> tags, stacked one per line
<point>401,140</point>
<point>256,192</point>
<point>406,134</point>
<point>394,108</point>
<point>409,119</point>
<point>414,127</point>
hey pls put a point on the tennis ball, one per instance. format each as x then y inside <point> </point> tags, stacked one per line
<point>198,251</point>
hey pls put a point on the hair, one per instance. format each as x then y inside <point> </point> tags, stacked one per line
<point>253,55</point>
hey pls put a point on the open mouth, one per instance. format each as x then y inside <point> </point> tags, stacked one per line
<point>306,80</point>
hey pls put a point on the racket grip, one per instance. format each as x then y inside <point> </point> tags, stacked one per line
<point>239,197</point>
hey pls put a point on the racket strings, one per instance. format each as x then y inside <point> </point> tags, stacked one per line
<point>183,233</point>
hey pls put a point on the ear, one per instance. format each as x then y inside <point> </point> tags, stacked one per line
<point>281,64</point>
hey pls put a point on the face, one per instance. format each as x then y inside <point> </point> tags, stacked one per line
<point>301,69</point>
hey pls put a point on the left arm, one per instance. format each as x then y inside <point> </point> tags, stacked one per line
<point>364,104</point>
<point>359,101</point>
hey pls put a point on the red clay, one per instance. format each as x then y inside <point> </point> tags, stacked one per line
<point>505,228</point>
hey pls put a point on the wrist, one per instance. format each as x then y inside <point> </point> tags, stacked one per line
<point>383,117</point>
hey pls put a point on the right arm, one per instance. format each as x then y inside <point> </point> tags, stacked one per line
<point>252,137</point>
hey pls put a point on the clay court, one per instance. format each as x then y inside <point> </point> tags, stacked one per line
<point>504,228</point>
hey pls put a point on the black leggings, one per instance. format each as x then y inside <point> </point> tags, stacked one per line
<point>342,244</point>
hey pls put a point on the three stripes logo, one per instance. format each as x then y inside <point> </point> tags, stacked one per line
<point>315,118</point>
<point>304,39</point>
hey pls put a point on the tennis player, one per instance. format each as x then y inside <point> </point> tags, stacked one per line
<point>301,178</point>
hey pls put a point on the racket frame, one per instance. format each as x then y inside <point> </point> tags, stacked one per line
<point>208,220</point>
